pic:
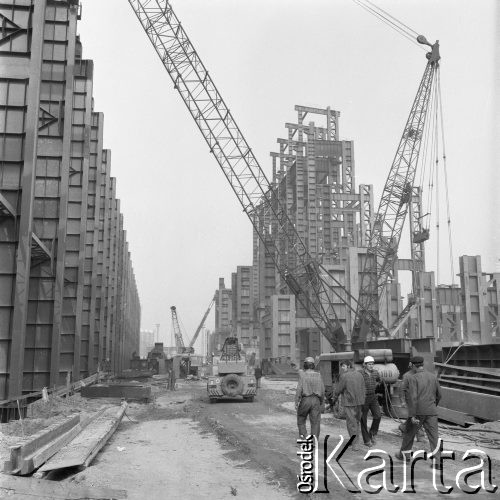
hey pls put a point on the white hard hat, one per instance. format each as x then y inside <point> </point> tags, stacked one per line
<point>309,360</point>
<point>368,359</point>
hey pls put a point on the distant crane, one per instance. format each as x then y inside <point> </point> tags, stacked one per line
<point>179,341</point>
<point>190,348</point>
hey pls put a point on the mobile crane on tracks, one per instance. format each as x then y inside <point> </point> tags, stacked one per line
<point>312,284</point>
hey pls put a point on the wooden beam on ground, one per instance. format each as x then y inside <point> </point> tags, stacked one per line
<point>21,454</point>
<point>27,488</point>
<point>82,450</point>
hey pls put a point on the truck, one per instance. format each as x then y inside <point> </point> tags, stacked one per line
<point>230,377</point>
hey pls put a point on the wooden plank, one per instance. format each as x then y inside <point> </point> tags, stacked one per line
<point>27,488</point>
<point>43,454</point>
<point>104,439</point>
<point>62,390</point>
<point>82,450</point>
<point>22,450</point>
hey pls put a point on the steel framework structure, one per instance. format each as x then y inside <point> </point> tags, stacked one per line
<point>305,278</point>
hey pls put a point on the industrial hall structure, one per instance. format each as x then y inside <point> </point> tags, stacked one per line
<point>313,175</point>
<point>68,297</point>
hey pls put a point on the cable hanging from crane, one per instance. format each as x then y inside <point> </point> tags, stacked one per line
<point>394,23</point>
<point>445,169</point>
<point>434,168</point>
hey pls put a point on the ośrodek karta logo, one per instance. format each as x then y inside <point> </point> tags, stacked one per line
<point>379,475</point>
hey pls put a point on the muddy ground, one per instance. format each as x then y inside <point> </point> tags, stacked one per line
<point>181,446</point>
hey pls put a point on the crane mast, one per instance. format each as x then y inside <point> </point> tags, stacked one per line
<point>200,326</point>
<point>393,207</point>
<point>179,341</point>
<point>302,275</point>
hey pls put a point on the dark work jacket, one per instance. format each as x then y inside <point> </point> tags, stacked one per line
<point>352,385</point>
<point>424,393</point>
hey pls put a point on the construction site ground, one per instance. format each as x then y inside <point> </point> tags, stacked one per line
<point>181,446</point>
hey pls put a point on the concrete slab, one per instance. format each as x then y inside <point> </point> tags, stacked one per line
<point>123,391</point>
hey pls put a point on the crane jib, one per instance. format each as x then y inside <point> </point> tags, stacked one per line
<point>236,159</point>
<point>312,287</point>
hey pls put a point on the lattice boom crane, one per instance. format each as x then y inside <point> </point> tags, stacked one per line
<point>200,326</point>
<point>310,283</point>
<point>179,341</point>
<point>396,197</point>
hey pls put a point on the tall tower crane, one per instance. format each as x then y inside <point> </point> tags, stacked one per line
<point>307,279</point>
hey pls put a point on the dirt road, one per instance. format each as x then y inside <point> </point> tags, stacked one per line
<point>182,446</point>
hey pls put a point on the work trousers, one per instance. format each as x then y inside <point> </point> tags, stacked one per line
<point>429,423</point>
<point>352,419</point>
<point>374,408</point>
<point>309,406</point>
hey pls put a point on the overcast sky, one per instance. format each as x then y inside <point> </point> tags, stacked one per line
<point>184,225</point>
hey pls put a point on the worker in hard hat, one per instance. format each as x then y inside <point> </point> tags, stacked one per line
<point>372,379</point>
<point>309,398</point>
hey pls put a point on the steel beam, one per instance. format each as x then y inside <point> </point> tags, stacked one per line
<point>23,260</point>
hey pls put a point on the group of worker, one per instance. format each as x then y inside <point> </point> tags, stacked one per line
<point>359,395</point>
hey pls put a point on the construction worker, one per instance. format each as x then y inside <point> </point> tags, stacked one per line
<point>372,379</point>
<point>352,387</point>
<point>404,389</point>
<point>309,398</point>
<point>258,374</point>
<point>422,395</point>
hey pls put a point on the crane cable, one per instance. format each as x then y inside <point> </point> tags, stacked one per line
<point>398,26</point>
<point>438,212</point>
<point>426,157</point>
<point>433,156</point>
<point>434,181</point>
<point>448,213</point>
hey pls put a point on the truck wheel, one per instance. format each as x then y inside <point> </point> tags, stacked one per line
<point>212,400</point>
<point>231,385</point>
<point>249,399</point>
